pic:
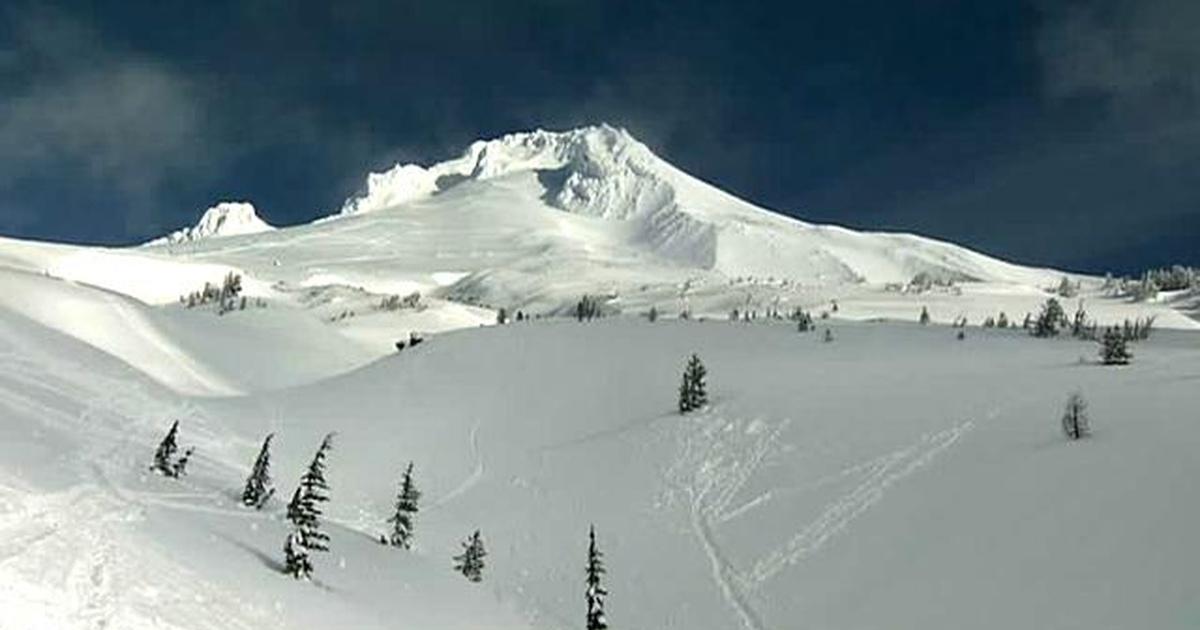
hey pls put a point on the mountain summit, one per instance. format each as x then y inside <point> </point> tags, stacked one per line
<point>604,169</point>
<point>228,218</point>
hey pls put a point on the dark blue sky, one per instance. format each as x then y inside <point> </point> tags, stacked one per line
<point>1059,133</point>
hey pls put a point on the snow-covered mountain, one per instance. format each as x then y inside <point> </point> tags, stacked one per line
<point>649,208</point>
<point>532,220</point>
<point>228,218</point>
<point>895,476</point>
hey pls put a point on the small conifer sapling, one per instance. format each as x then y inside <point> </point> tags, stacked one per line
<point>470,561</point>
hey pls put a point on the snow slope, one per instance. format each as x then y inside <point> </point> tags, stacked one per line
<point>894,478</point>
<point>89,539</point>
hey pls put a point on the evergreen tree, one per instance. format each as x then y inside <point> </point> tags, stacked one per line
<point>596,593</point>
<point>470,561</point>
<point>588,308</point>
<point>258,488</point>
<point>304,511</point>
<point>1113,349</point>
<point>804,320</point>
<point>165,462</point>
<point>165,455</point>
<point>502,316</point>
<point>1074,418</point>
<point>1066,288</point>
<point>653,314</point>
<point>406,509</point>
<point>1049,320</point>
<point>1079,325</point>
<point>924,316</point>
<point>693,392</point>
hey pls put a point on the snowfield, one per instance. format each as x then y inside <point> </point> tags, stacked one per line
<point>895,477</point>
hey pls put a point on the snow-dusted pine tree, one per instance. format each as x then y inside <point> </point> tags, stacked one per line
<point>804,320</point>
<point>596,593</point>
<point>924,315</point>
<point>304,511</point>
<point>1066,288</point>
<point>1113,348</point>
<point>470,561</point>
<point>165,462</point>
<point>258,488</point>
<point>406,509</point>
<point>1074,418</point>
<point>1049,319</point>
<point>693,392</point>
<point>165,455</point>
<point>1079,322</point>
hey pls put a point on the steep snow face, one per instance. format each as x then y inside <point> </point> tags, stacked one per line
<point>659,211</point>
<point>228,218</point>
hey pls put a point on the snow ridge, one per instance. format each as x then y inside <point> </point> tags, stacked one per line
<point>228,218</point>
<point>600,171</point>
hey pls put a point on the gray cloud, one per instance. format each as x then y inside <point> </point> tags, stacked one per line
<point>85,109</point>
<point>1144,54</point>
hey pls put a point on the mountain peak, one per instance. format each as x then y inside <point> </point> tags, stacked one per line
<point>228,218</point>
<point>597,166</point>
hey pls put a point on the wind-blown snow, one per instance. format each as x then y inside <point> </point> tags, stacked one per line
<point>404,182</point>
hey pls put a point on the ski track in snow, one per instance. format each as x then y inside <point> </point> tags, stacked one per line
<point>476,473</point>
<point>838,515</point>
<point>718,456</point>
